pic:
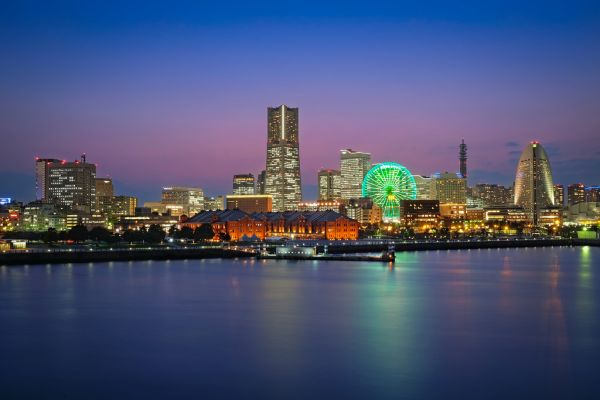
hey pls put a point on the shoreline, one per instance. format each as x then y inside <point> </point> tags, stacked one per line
<point>39,256</point>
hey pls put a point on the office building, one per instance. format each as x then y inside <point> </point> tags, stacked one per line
<point>354,165</point>
<point>559,195</point>
<point>491,194</point>
<point>420,215</point>
<point>250,203</point>
<point>592,194</point>
<point>321,205</point>
<point>425,187</point>
<point>450,188</point>
<point>260,182</point>
<point>243,184</point>
<point>534,189</point>
<point>282,177</point>
<point>71,184</point>
<point>214,203</point>
<point>104,195</point>
<point>183,200</point>
<point>575,193</point>
<point>330,185</point>
<point>42,165</point>
<point>123,206</point>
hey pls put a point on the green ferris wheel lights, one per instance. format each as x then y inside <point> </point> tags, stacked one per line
<point>387,184</point>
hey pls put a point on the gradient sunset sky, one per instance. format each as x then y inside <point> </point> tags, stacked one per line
<point>176,93</point>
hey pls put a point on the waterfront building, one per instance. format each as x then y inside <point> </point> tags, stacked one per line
<point>137,222</point>
<point>462,158</point>
<point>506,214</point>
<point>71,184</point>
<point>214,203</point>
<point>559,195</point>
<point>243,184</point>
<point>41,215</point>
<point>250,203</point>
<point>492,194</point>
<point>575,193</point>
<point>550,216</point>
<point>104,195</point>
<point>586,213</point>
<point>123,206</point>
<point>183,200</point>
<point>425,187</point>
<point>364,211</point>
<point>453,212</point>
<point>330,185</point>
<point>354,166</point>
<point>420,215</point>
<point>534,188</point>
<point>450,188</point>
<point>239,225</point>
<point>282,177</point>
<point>42,166</point>
<point>321,205</point>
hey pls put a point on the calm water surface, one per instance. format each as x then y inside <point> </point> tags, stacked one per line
<point>517,323</point>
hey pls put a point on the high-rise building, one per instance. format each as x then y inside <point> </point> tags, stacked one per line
<point>492,194</point>
<point>462,158</point>
<point>576,193</point>
<point>243,184</point>
<point>330,184</point>
<point>123,206</point>
<point>72,184</point>
<point>260,182</point>
<point>282,177</point>
<point>450,188</point>
<point>183,200</point>
<point>425,187</point>
<point>559,195</point>
<point>592,194</point>
<point>354,165</point>
<point>534,189</point>
<point>104,195</point>
<point>214,203</point>
<point>42,166</point>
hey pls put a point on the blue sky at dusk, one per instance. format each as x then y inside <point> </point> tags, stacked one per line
<point>175,93</point>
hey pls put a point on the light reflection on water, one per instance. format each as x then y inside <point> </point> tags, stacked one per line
<point>476,324</point>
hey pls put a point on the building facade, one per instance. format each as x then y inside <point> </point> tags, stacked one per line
<point>104,195</point>
<point>250,203</point>
<point>451,188</point>
<point>183,200</point>
<point>72,184</point>
<point>425,187</point>
<point>123,206</point>
<point>534,189</point>
<point>575,193</point>
<point>260,182</point>
<point>243,184</point>
<point>354,165</point>
<point>559,195</point>
<point>330,185</point>
<point>42,165</point>
<point>492,194</point>
<point>282,176</point>
<point>420,215</point>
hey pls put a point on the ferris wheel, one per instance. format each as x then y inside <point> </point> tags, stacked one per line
<point>387,184</point>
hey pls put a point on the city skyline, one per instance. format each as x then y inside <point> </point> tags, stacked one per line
<point>155,104</point>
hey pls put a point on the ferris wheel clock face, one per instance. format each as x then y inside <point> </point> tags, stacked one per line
<point>387,184</point>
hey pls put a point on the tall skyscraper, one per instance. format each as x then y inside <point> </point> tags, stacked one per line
<point>534,189</point>
<point>354,165</point>
<point>72,184</point>
<point>42,166</point>
<point>330,184</point>
<point>282,177</point>
<point>559,195</point>
<point>462,157</point>
<point>243,184</point>
<point>575,193</point>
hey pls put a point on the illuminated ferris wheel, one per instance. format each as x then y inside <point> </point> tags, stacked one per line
<point>387,184</point>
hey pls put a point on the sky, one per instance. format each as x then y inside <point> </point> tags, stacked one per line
<point>176,93</point>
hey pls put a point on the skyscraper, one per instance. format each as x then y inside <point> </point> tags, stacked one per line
<point>575,193</point>
<point>243,184</point>
<point>462,158</point>
<point>534,189</point>
<point>354,165</point>
<point>451,188</point>
<point>330,183</point>
<point>72,184</point>
<point>260,182</point>
<point>41,176</point>
<point>282,177</point>
<point>104,195</point>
